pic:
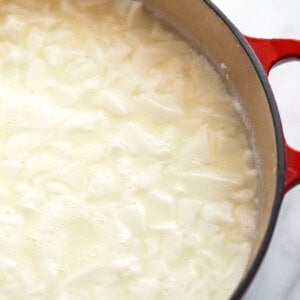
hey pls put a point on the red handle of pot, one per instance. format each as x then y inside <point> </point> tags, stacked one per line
<point>269,52</point>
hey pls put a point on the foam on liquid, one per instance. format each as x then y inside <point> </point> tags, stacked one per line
<point>125,170</point>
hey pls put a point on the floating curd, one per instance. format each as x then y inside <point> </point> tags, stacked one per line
<point>125,167</point>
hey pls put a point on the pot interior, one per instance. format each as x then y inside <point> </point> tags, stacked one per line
<point>206,31</point>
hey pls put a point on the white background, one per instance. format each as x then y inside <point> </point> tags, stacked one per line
<point>279,275</point>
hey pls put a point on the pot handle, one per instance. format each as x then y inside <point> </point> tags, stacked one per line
<point>270,52</point>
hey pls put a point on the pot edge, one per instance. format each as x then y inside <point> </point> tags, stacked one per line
<point>279,193</point>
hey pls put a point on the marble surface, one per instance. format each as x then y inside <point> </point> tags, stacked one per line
<point>279,276</point>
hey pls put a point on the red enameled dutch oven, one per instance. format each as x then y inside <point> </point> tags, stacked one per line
<point>248,62</point>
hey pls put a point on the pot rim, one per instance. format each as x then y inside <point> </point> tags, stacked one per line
<point>279,192</point>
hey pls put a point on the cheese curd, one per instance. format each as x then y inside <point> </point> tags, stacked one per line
<point>125,168</point>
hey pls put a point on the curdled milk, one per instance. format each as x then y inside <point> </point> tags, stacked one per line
<point>125,169</point>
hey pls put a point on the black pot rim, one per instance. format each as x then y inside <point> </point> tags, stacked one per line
<point>246,281</point>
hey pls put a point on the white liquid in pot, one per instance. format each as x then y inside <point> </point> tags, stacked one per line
<point>125,170</point>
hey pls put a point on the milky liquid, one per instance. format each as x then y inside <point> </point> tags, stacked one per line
<point>125,169</point>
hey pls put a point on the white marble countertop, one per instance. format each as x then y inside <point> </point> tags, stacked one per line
<point>279,275</point>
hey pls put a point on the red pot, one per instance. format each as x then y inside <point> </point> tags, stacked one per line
<point>248,62</point>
